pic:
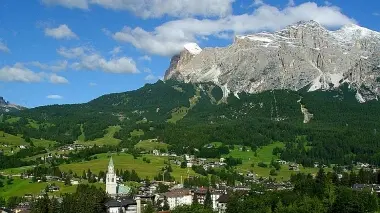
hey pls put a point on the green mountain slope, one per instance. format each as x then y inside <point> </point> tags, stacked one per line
<point>192,115</point>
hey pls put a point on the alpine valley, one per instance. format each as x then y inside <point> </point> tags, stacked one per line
<point>312,89</point>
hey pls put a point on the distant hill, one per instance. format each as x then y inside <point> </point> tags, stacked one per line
<point>5,106</point>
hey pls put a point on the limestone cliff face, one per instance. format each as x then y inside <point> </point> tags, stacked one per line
<point>302,55</point>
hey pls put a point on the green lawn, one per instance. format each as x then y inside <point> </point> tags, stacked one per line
<point>127,162</point>
<point>149,145</point>
<point>108,138</point>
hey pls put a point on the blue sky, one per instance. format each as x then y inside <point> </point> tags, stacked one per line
<point>65,51</point>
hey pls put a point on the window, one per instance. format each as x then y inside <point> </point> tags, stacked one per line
<point>112,180</point>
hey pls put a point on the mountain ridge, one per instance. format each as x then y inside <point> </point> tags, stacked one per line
<point>301,55</point>
<point>6,106</point>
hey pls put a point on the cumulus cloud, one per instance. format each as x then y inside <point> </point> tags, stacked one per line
<point>58,66</point>
<point>61,32</point>
<point>145,58</point>
<point>88,59</point>
<point>116,50</point>
<point>73,52</point>
<point>169,38</point>
<point>56,79</point>
<point>3,47</point>
<point>54,97</point>
<point>156,8</point>
<point>19,73</point>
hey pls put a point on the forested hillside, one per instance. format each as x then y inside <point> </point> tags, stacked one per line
<point>188,116</point>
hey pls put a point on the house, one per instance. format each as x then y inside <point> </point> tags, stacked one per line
<point>156,152</point>
<point>221,203</point>
<point>179,197</point>
<point>124,205</point>
<point>200,194</point>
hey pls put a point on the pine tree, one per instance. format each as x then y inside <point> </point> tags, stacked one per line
<point>208,201</point>
<point>195,199</point>
<point>166,206</point>
<point>149,208</point>
<point>67,181</point>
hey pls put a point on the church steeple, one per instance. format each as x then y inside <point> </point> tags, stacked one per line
<point>111,167</point>
<point>111,184</point>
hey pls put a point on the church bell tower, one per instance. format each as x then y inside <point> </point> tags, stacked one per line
<point>111,185</point>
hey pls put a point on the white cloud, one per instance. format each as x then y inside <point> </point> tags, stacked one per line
<point>19,73</point>
<point>56,79</point>
<point>61,32</point>
<point>169,38</point>
<point>291,3</point>
<point>58,66</point>
<point>88,59</point>
<point>116,50</point>
<point>73,52</point>
<point>257,2</point>
<point>147,70</point>
<point>81,4</point>
<point>145,58</point>
<point>151,77</point>
<point>375,14</point>
<point>54,97</point>
<point>156,8</point>
<point>92,84</point>
<point>3,47</point>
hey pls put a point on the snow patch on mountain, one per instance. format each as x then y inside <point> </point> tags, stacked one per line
<point>193,48</point>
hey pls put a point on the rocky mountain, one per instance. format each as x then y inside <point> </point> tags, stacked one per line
<point>303,55</point>
<point>5,106</point>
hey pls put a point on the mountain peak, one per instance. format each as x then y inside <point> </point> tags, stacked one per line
<point>193,48</point>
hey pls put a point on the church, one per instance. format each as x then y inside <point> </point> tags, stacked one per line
<point>120,203</point>
<point>113,187</point>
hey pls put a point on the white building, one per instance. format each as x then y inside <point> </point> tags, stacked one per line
<point>179,197</point>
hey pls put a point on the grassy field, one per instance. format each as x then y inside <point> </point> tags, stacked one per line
<point>137,133</point>
<point>13,120</point>
<point>11,139</point>
<point>178,114</point>
<point>43,143</point>
<point>108,138</point>
<point>81,137</point>
<point>150,145</point>
<point>127,162</point>
<point>20,187</point>
<point>265,155</point>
